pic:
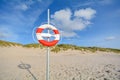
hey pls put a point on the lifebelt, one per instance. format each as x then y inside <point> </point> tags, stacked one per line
<point>40,35</point>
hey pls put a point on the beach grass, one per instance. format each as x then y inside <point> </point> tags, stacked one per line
<point>64,47</point>
<point>33,46</point>
<point>60,47</point>
<point>8,44</point>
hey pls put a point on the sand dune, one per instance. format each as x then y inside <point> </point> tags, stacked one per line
<point>18,63</point>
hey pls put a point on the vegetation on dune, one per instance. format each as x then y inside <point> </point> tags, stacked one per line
<point>65,47</point>
<point>6,43</point>
<point>60,47</point>
<point>33,46</point>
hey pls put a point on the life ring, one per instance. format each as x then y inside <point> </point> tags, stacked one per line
<point>40,35</point>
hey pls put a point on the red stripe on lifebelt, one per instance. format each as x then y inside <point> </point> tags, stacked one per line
<point>46,43</point>
<point>56,31</point>
<point>39,30</point>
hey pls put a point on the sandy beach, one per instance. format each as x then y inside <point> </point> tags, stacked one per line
<point>18,63</point>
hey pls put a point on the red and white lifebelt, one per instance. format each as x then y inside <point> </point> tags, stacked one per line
<point>40,35</point>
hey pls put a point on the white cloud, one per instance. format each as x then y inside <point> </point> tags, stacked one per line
<point>6,34</point>
<point>87,13</point>
<point>23,7</point>
<point>110,38</point>
<point>94,2</point>
<point>103,2</point>
<point>70,22</point>
<point>59,15</point>
<point>68,34</point>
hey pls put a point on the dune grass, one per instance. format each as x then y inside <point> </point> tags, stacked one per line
<point>33,46</point>
<point>60,47</point>
<point>65,47</point>
<point>8,44</point>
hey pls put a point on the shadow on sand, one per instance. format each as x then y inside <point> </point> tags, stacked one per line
<point>27,67</point>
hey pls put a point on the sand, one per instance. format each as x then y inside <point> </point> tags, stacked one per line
<point>18,63</point>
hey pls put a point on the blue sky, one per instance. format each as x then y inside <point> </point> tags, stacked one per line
<point>81,22</point>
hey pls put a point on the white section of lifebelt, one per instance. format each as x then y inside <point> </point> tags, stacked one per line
<point>46,35</point>
<point>48,26</point>
<point>57,37</point>
<point>39,37</point>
